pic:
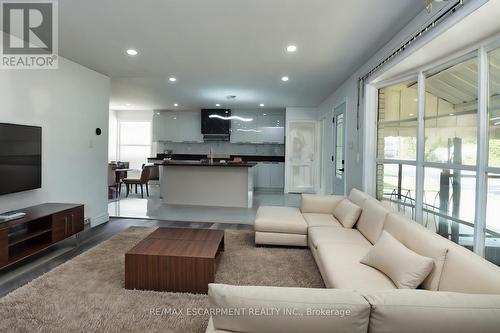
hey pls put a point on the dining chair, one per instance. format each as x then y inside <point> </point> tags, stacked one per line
<point>142,180</point>
<point>112,181</point>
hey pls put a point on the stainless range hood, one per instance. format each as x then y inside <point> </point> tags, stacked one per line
<point>215,137</point>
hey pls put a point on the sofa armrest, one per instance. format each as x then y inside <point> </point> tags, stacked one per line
<point>416,310</point>
<point>274,309</point>
<point>321,204</point>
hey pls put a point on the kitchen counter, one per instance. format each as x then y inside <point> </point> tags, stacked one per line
<point>206,164</point>
<point>204,184</point>
<point>197,157</point>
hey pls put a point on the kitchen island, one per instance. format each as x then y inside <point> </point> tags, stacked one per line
<point>207,184</point>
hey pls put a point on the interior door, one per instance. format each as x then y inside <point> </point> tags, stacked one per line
<point>302,156</point>
<point>338,186</point>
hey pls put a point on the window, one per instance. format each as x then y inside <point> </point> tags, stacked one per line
<point>397,122</point>
<point>492,251</point>
<point>451,114</point>
<point>448,168</point>
<point>397,186</point>
<point>492,237</point>
<point>494,108</point>
<point>339,146</point>
<point>449,203</point>
<point>397,146</point>
<point>134,142</point>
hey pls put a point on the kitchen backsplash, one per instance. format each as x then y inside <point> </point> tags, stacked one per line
<point>220,148</point>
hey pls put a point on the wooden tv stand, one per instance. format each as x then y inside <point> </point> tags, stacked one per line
<point>43,226</point>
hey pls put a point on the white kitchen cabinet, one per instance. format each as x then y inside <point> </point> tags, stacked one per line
<point>266,127</point>
<point>277,176</point>
<point>177,126</point>
<point>271,127</point>
<point>244,131</point>
<point>269,175</point>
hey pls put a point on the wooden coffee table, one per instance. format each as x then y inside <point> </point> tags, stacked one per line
<point>174,259</point>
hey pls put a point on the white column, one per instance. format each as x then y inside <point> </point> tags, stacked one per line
<point>419,200</point>
<point>482,154</point>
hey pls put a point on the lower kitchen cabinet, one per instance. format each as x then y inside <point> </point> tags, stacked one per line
<point>269,175</point>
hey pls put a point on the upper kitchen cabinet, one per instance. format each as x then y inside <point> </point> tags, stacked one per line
<point>265,127</point>
<point>177,126</point>
<point>244,126</point>
<point>271,127</point>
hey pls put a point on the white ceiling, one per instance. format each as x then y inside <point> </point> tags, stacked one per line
<point>227,47</point>
<point>481,24</point>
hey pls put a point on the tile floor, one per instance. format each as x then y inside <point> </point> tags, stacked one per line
<point>154,208</point>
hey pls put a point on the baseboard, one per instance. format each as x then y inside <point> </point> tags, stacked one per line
<point>99,220</point>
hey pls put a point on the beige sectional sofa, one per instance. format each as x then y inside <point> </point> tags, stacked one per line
<point>458,292</point>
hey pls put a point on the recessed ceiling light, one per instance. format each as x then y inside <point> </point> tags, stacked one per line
<point>291,48</point>
<point>176,104</point>
<point>172,79</point>
<point>265,114</point>
<point>411,114</point>
<point>452,114</point>
<point>284,78</point>
<point>217,105</point>
<point>132,52</point>
<point>128,104</point>
<point>261,105</point>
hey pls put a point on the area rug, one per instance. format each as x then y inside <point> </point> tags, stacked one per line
<point>86,294</point>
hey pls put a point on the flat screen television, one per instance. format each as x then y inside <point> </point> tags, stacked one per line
<point>20,158</point>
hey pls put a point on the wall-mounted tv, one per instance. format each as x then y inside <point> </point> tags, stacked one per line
<point>20,158</point>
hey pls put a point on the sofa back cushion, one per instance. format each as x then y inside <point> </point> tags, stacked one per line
<point>404,267</point>
<point>274,309</point>
<point>358,197</point>
<point>464,271</point>
<point>371,221</point>
<point>347,213</point>
<point>416,311</point>
<point>422,241</point>
<point>320,204</point>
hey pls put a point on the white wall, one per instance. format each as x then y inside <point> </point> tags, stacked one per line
<point>113,136</point>
<point>69,103</point>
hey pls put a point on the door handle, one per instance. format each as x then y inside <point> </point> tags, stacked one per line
<point>341,169</point>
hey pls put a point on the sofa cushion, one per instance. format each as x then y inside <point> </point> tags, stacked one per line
<point>347,213</point>
<point>415,311</point>
<point>321,204</point>
<point>371,221</point>
<point>321,220</point>
<point>211,328</point>
<point>274,309</point>
<point>422,241</point>
<point>358,197</point>
<point>341,267</point>
<point>406,268</point>
<point>280,219</point>
<point>280,239</point>
<point>466,272</point>
<point>318,235</point>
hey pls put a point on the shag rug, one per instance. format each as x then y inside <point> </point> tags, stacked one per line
<point>86,294</point>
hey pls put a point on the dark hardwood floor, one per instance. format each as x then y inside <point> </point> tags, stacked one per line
<point>17,275</point>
